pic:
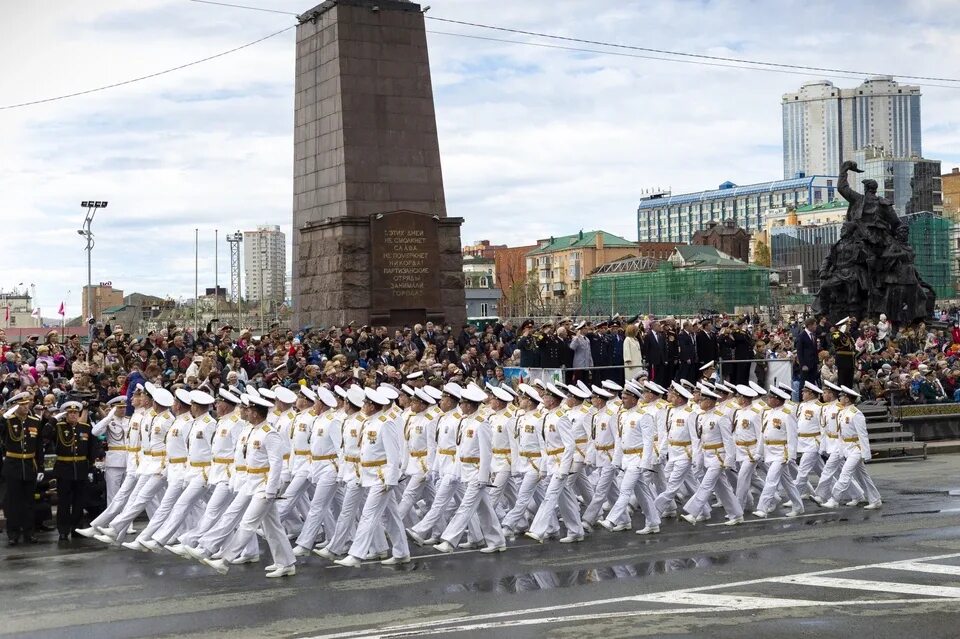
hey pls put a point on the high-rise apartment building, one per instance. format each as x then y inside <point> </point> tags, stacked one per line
<point>265,264</point>
<point>823,125</point>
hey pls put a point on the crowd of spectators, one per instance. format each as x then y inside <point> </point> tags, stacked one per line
<point>913,364</point>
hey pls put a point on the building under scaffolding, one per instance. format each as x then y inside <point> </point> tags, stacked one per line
<point>931,239</point>
<point>694,279</point>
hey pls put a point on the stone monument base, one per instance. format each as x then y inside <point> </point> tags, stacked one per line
<point>393,269</point>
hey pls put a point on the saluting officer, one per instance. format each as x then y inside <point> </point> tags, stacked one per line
<point>23,459</point>
<point>75,448</point>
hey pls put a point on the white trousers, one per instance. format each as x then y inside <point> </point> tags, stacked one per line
<point>810,462</point>
<point>778,477</point>
<point>855,470</point>
<point>434,521</point>
<point>476,501</point>
<point>113,477</point>
<point>320,513</point>
<point>680,472</point>
<point>191,495</point>
<point>293,496</point>
<point>170,497</point>
<point>347,520</point>
<point>379,515</point>
<point>261,512</point>
<point>503,494</point>
<point>216,505</point>
<point>745,478</point>
<point>635,482</point>
<point>714,481</point>
<point>829,475</point>
<point>559,492</point>
<point>148,487</point>
<point>115,505</point>
<point>516,519</point>
<point>212,540</point>
<point>417,485</point>
<point>605,476</point>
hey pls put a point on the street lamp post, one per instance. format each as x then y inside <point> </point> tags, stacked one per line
<point>91,207</point>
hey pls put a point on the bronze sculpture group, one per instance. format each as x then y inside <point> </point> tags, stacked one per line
<point>870,270</point>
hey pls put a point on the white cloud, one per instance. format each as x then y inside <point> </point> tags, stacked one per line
<point>535,141</point>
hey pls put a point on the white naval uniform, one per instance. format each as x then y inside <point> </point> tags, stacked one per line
<point>831,446</point>
<point>503,444</point>
<point>296,495</point>
<point>176,470</point>
<point>719,452</point>
<point>282,421</point>
<point>579,417</point>
<point>682,449</point>
<point>809,442</point>
<point>855,448</point>
<point>746,434</point>
<point>603,435</point>
<point>324,467</point>
<point>151,471</point>
<point>381,463</point>
<point>637,429</point>
<point>779,448</point>
<point>115,459</point>
<point>213,539</point>
<point>530,462</point>
<point>420,437</point>
<point>264,468</point>
<point>199,464</point>
<point>445,465</point>
<point>126,490</point>
<point>474,458</point>
<point>560,443</point>
<point>222,449</point>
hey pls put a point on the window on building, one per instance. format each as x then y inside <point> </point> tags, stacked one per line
<point>484,311</point>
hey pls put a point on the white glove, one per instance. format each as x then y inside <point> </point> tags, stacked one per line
<point>39,477</point>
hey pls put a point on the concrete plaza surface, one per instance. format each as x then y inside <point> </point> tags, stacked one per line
<point>854,573</point>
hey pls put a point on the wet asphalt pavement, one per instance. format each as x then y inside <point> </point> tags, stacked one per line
<point>892,573</point>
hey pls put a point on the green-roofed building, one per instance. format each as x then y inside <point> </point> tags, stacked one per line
<point>560,263</point>
<point>694,279</point>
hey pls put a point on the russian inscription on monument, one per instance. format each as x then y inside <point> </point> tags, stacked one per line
<point>405,264</point>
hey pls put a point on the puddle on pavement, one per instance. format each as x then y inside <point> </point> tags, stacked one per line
<point>551,579</point>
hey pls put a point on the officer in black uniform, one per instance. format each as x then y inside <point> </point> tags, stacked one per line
<point>76,450</point>
<point>550,348</point>
<point>845,353</point>
<point>20,433</point>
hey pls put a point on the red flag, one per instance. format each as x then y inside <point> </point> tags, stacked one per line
<point>61,311</point>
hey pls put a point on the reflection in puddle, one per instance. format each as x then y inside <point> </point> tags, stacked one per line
<point>549,579</point>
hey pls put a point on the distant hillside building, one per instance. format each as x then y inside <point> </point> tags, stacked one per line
<point>483,248</point>
<point>725,237</point>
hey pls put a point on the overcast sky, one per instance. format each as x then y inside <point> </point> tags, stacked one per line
<point>535,141</point>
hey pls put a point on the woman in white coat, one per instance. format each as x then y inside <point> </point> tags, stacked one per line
<point>632,359</point>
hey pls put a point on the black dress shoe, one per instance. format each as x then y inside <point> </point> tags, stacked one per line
<point>64,537</point>
<point>30,539</point>
<point>13,541</point>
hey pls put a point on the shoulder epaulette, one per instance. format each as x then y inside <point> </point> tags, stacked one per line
<point>383,418</point>
<point>479,418</point>
<point>266,428</point>
<point>235,418</point>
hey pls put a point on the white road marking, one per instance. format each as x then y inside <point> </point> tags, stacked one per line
<point>734,602</point>
<point>916,566</point>
<point>423,630</point>
<point>443,625</point>
<point>866,584</point>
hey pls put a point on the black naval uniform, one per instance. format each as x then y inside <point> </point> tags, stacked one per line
<point>23,459</point>
<point>844,355</point>
<point>76,451</point>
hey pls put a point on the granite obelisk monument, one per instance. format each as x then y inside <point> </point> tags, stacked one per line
<point>372,242</point>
